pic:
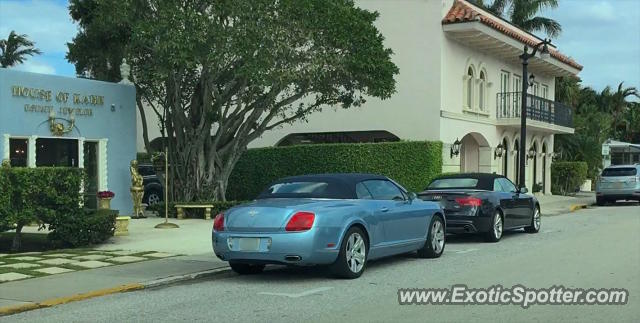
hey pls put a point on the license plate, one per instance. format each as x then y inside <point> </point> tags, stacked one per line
<point>618,185</point>
<point>248,244</point>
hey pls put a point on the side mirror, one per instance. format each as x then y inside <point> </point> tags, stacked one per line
<point>523,190</point>
<point>412,196</point>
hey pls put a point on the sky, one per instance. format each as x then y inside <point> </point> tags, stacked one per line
<point>602,35</point>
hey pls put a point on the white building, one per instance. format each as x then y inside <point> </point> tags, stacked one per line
<point>460,79</point>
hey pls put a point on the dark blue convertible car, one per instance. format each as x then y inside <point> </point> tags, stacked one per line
<point>484,203</point>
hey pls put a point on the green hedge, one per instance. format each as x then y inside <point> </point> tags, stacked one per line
<point>412,163</point>
<point>218,207</point>
<point>84,228</point>
<point>566,177</point>
<point>49,196</point>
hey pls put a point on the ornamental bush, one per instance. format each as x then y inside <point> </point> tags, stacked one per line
<point>5,199</point>
<point>40,195</point>
<point>566,177</point>
<point>412,163</point>
<point>83,228</point>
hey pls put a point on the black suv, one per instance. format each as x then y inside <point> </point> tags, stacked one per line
<point>153,189</point>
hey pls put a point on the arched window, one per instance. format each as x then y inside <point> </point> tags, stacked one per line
<point>481,91</point>
<point>469,102</point>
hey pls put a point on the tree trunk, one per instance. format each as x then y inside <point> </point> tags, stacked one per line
<point>143,120</point>
<point>17,239</point>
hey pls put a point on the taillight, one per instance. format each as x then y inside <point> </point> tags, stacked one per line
<point>218,222</point>
<point>301,221</point>
<point>469,201</point>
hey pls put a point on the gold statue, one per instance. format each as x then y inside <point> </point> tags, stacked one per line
<point>137,190</point>
<point>6,163</point>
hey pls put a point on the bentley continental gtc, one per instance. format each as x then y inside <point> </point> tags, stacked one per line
<point>339,220</point>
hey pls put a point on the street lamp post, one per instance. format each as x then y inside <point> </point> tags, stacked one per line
<point>544,54</point>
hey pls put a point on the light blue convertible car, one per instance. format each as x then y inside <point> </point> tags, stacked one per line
<point>341,220</point>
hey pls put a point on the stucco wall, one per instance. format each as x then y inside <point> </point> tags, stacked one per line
<point>114,120</point>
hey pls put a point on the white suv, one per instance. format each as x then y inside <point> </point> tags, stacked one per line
<point>620,182</point>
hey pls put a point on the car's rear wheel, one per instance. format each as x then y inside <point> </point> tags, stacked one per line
<point>153,197</point>
<point>352,258</point>
<point>246,269</point>
<point>497,226</point>
<point>536,221</point>
<point>434,246</point>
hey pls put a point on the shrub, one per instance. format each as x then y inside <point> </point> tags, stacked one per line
<point>413,164</point>
<point>33,198</point>
<point>566,177</point>
<point>85,228</point>
<point>5,200</point>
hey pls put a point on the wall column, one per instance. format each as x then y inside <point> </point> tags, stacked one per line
<point>31,152</point>
<point>449,164</point>
<point>6,145</point>
<point>103,176</point>
<point>485,160</point>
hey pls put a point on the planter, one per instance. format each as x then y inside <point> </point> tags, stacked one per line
<point>104,203</point>
<point>122,226</point>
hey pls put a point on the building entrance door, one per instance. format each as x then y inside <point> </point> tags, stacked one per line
<point>91,171</point>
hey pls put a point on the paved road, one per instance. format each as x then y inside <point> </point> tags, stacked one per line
<point>597,248</point>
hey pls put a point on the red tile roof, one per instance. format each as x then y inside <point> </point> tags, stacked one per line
<point>462,11</point>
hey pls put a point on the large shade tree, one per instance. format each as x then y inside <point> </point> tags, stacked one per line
<point>524,14</point>
<point>15,49</point>
<point>222,72</point>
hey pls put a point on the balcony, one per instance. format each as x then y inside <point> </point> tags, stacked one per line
<point>542,114</point>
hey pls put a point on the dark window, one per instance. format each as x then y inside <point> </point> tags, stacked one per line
<point>306,189</point>
<point>626,171</point>
<point>362,192</point>
<point>384,190</point>
<point>146,170</point>
<point>507,185</point>
<point>52,152</point>
<point>18,152</point>
<point>458,182</point>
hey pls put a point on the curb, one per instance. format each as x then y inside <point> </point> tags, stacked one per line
<point>575,207</point>
<point>181,278</point>
<point>14,309</point>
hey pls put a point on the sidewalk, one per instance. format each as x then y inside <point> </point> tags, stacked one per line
<point>558,204</point>
<point>58,289</point>
<point>192,242</point>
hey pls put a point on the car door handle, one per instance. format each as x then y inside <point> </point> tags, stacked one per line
<point>384,209</point>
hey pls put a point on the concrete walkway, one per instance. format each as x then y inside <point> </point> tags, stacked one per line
<point>558,204</point>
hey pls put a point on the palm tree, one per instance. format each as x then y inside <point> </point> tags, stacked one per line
<point>522,13</point>
<point>15,48</point>
<point>617,105</point>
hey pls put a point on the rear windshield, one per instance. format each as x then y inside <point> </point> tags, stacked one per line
<point>627,171</point>
<point>454,183</point>
<point>300,189</point>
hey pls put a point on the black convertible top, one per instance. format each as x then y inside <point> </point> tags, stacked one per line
<point>341,185</point>
<point>485,180</point>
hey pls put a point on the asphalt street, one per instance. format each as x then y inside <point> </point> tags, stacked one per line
<point>591,248</point>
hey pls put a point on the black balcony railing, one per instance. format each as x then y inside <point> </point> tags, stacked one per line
<point>540,109</point>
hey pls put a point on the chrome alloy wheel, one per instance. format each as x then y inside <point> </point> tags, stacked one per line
<point>356,252</point>
<point>437,237</point>
<point>497,226</point>
<point>536,219</point>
